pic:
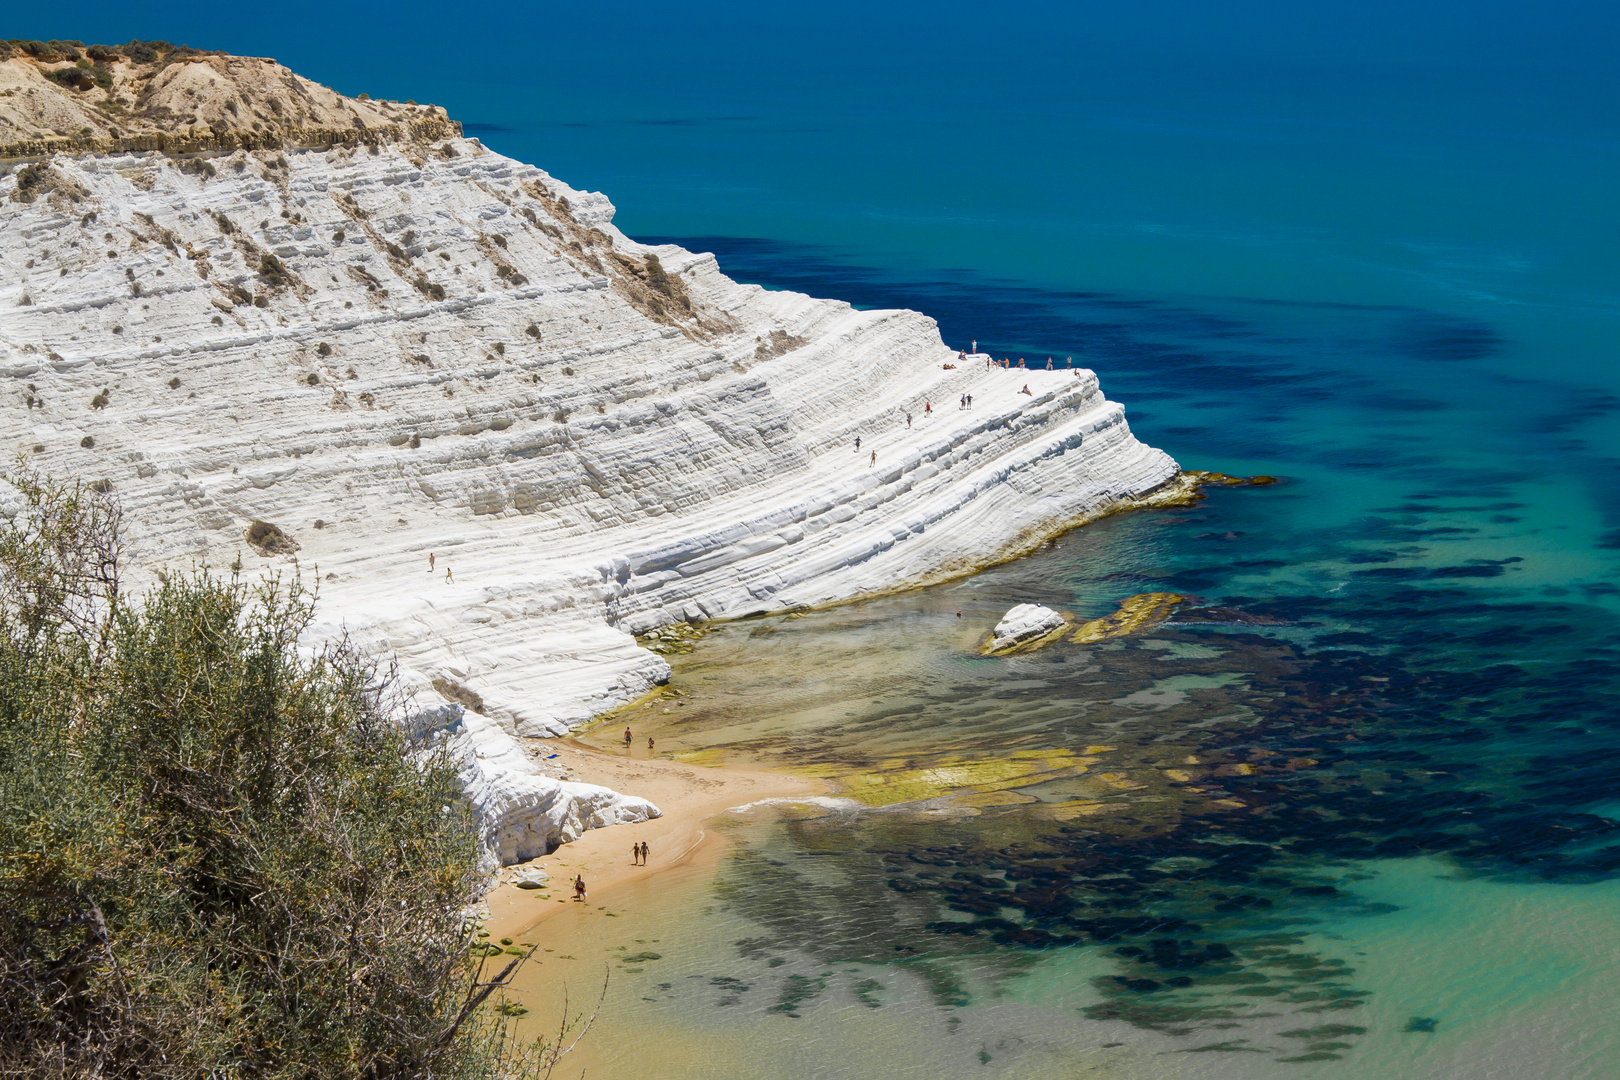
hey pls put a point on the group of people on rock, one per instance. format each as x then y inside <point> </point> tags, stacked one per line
<point>1006,362</point>
<point>965,401</point>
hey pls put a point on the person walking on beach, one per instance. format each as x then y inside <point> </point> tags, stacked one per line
<point>644,853</point>
<point>579,889</point>
<point>649,746</point>
<point>627,738</point>
<point>635,854</point>
<point>448,579</point>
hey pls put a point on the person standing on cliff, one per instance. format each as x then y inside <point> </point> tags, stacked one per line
<point>908,421</point>
<point>928,408</point>
<point>873,461</point>
<point>448,579</point>
<point>1071,361</point>
<point>970,401</point>
<point>1048,363</point>
<point>430,562</point>
<point>975,344</point>
<point>857,442</point>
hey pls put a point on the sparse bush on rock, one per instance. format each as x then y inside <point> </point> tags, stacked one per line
<point>219,856</point>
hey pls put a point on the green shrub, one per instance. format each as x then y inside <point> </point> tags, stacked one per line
<point>656,278</point>
<point>272,271</point>
<point>219,857</point>
<point>71,77</point>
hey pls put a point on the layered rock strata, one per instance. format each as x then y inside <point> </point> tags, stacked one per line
<point>505,436</point>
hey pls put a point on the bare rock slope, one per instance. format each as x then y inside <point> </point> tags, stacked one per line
<point>360,356</point>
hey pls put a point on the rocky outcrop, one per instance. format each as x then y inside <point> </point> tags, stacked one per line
<point>505,436</point>
<point>1135,614</point>
<point>1023,626</point>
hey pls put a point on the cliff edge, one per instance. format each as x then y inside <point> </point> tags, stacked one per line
<point>508,436</point>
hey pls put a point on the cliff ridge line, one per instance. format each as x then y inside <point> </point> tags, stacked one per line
<point>68,98</point>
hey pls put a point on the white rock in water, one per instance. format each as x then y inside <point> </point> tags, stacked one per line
<point>452,353</point>
<point>1024,623</point>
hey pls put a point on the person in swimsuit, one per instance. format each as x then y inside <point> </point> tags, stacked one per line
<point>430,562</point>
<point>873,461</point>
<point>627,738</point>
<point>447,578</point>
<point>579,889</point>
<point>649,745</point>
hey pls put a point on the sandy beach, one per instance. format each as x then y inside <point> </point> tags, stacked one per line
<point>690,796</point>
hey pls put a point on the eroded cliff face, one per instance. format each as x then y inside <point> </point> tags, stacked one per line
<point>434,349</point>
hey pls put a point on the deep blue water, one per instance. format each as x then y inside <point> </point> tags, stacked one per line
<point>1369,248</point>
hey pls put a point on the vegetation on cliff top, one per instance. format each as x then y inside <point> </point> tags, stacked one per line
<point>219,856</point>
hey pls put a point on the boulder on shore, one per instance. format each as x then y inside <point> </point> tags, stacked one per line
<point>1024,625</point>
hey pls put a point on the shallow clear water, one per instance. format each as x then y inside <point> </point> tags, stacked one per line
<point>1357,823</point>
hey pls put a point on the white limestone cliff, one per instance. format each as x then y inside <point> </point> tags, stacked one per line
<point>391,352</point>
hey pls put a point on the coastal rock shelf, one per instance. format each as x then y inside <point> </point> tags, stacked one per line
<point>428,349</point>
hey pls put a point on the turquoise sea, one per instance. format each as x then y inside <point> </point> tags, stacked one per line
<point>1369,249</point>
